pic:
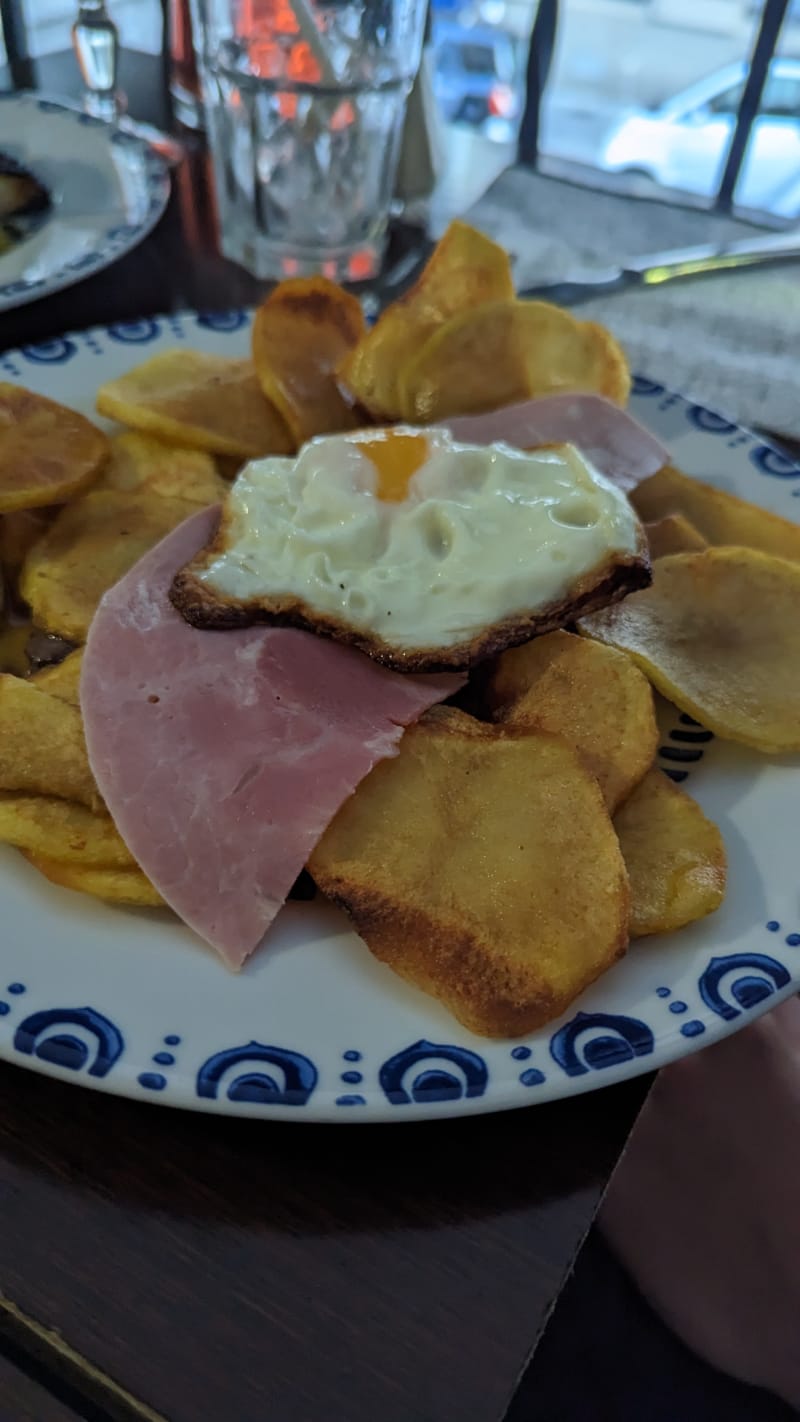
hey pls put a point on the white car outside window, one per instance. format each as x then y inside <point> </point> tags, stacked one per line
<point>684,143</point>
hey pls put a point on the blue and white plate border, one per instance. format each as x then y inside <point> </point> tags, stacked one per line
<point>114,240</point>
<point>89,1037</point>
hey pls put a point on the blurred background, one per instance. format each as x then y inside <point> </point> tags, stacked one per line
<point>647,88</point>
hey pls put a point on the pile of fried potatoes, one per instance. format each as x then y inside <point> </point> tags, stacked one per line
<point>509,853</point>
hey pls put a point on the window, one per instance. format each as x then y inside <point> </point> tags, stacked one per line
<point>782,96</point>
<point>728,102</point>
<point>477,59</point>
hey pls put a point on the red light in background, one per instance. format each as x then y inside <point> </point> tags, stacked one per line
<point>362,265</point>
<point>501,101</point>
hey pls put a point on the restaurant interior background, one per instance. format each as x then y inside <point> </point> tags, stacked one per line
<point>648,88</point>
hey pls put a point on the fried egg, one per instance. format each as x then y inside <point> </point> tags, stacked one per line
<point>419,549</point>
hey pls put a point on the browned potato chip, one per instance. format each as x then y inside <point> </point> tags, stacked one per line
<point>718,633</point>
<point>302,332</point>
<point>673,534</point>
<point>481,865</point>
<point>228,466</point>
<point>507,351</point>
<point>13,644</point>
<point>62,679</point>
<point>465,270</point>
<point>120,886</point>
<point>62,831</point>
<point>720,517</point>
<point>591,695</point>
<point>87,549</point>
<point>139,461</point>
<point>42,750</point>
<point>203,401</point>
<point>674,855</point>
<point>47,452</point>
<point>18,533</point>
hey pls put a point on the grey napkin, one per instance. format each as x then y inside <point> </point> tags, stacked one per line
<point>731,342</point>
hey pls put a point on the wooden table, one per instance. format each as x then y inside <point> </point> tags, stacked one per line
<point>156,1264</point>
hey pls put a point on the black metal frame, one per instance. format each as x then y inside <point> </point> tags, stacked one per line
<point>540,57</point>
<point>12,21</point>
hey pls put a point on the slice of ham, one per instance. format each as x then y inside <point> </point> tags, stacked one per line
<point>611,439</point>
<point>223,756</point>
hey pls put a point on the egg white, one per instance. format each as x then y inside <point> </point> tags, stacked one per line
<point>484,533</point>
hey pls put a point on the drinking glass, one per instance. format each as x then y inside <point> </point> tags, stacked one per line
<point>304,104</point>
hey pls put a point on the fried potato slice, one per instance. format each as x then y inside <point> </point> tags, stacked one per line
<point>13,647</point>
<point>508,351</point>
<point>18,533</point>
<point>718,633</point>
<point>47,452</point>
<point>303,331</point>
<point>198,400</point>
<point>228,466</point>
<point>720,517</point>
<point>63,831</point>
<point>591,695</point>
<point>42,750</point>
<point>87,549</point>
<point>119,886</point>
<point>62,679</point>
<point>481,865</point>
<point>139,461</point>
<point>673,534</point>
<point>674,855</point>
<point>465,270</point>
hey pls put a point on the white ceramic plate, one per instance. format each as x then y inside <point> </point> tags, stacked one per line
<point>314,1028</point>
<point>108,190</point>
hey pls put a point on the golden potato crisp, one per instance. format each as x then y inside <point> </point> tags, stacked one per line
<point>203,401</point>
<point>482,866</point>
<point>718,633</point>
<point>62,679</point>
<point>120,886</point>
<point>591,695</point>
<point>228,466</point>
<point>87,549</point>
<point>42,750</point>
<point>139,461</point>
<point>674,855</point>
<point>465,270</point>
<point>301,333</point>
<point>18,533</point>
<point>720,517</point>
<point>13,647</point>
<point>507,351</point>
<point>47,452</point>
<point>62,831</point>
<point>673,534</point>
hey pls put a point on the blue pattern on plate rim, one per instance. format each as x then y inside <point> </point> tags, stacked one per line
<point>77,1042</point>
<point>117,239</point>
<point>82,1041</point>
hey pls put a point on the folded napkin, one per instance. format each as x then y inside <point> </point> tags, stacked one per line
<point>703,1207</point>
<point>729,341</point>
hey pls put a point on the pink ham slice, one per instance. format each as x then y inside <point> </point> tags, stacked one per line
<point>223,756</point>
<point>611,439</point>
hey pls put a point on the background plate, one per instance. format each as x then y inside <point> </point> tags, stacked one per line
<point>314,1028</point>
<point>108,190</point>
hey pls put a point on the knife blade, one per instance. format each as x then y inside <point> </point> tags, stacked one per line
<point>658,268</point>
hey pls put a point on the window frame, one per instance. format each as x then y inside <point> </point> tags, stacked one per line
<point>540,59</point>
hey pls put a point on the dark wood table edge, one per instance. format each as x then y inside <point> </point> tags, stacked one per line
<point>46,1357</point>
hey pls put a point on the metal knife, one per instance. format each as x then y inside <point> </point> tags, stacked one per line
<point>652,270</point>
<point>658,268</point>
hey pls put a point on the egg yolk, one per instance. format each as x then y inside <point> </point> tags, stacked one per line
<point>396,457</point>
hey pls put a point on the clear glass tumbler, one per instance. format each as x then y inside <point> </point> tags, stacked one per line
<point>304,103</point>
